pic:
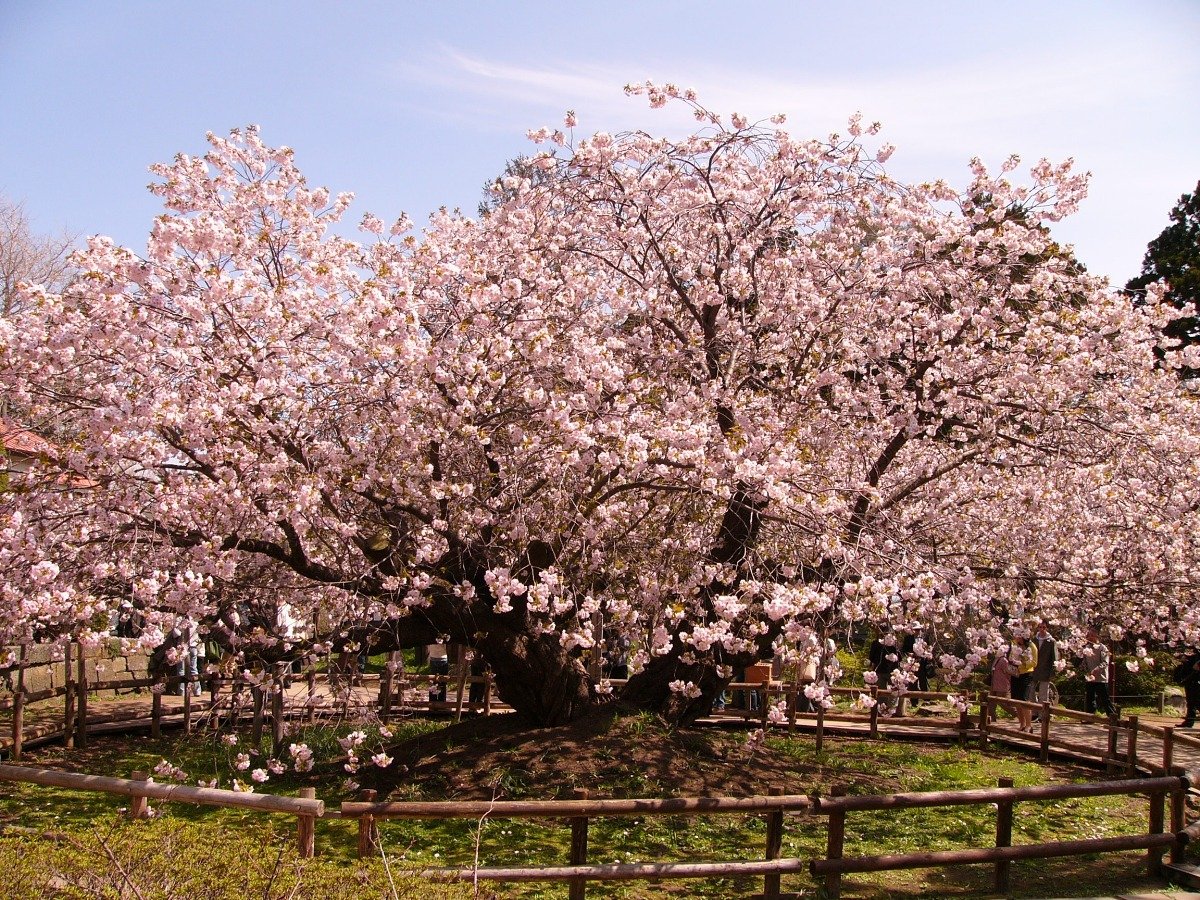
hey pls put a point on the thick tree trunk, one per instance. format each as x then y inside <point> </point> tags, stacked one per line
<point>650,689</point>
<point>534,675</point>
<point>537,677</point>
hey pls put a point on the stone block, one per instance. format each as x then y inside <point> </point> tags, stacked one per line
<point>38,679</point>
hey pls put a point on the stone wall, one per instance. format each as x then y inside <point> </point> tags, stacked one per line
<point>44,672</point>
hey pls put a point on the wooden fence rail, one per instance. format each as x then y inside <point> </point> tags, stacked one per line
<point>835,808</point>
<point>1119,750</point>
<point>1155,840</point>
<point>306,809</point>
<point>580,811</point>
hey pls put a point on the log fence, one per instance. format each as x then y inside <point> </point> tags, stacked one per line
<point>405,693</point>
<point>140,789</point>
<point>1159,837</point>
<point>580,811</point>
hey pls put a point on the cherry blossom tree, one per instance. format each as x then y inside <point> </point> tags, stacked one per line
<point>724,396</point>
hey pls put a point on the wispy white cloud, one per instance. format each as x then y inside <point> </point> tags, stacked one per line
<point>1072,99</point>
<point>935,107</point>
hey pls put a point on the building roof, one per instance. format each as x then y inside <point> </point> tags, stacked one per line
<point>23,442</point>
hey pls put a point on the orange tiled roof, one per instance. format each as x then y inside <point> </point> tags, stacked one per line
<point>16,439</point>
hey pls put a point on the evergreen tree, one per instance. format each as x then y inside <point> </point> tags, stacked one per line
<point>1174,257</point>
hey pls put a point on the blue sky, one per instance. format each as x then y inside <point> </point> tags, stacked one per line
<point>415,105</point>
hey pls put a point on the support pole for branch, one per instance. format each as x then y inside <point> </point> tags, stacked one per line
<point>875,712</point>
<point>820,743</point>
<point>579,848</point>
<point>1168,757</point>
<point>771,882</point>
<point>277,722</point>
<point>1004,821</point>
<point>81,687</point>
<point>463,669</point>
<point>69,699</point>
<point>306,828</point>
<point>256,725</point>
<point>18,720</point>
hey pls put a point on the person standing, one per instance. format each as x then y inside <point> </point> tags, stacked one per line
<point>439,666</point>
<point>1025,656</point>
<point>1003,669</point>
<point>1047,656</point>
<point>1095,675</point>
<point>1188,675</point>
<point>1023,659</point>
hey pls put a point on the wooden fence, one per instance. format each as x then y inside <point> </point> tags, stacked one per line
<point>233,699</point>
<point>834,809</point>
<point>1161,835</point>
<point>140,789</point>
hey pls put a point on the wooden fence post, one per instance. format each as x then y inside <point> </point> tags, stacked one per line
<point>964,724</point>
<point>875,712</point>
<point>1110,759</point>
<point>187,706</point>
<point>487,692</point>
<point>81,687</point>
<point>214,689</point>
<point>306,828</point>
<point>1044,754</point>
<point>139,806</point>
<point>820,728</point>
<point>1168,757</point>
<point>771,882</point>
<point>256,724</point>
<point>1178,811</point>
<point>793,701</point>
<point>385,688</point>
<point>1004,820</point>
<point>579,848</point>
<point>156,710</point>
<point>18,720</point>
<point>985,709</point>
<point>1154,855</point>
<point>835,843</point>
<point>69,699</point>
<point>368,831</point>
<point>1131,743</point>
<point>277,722</point>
